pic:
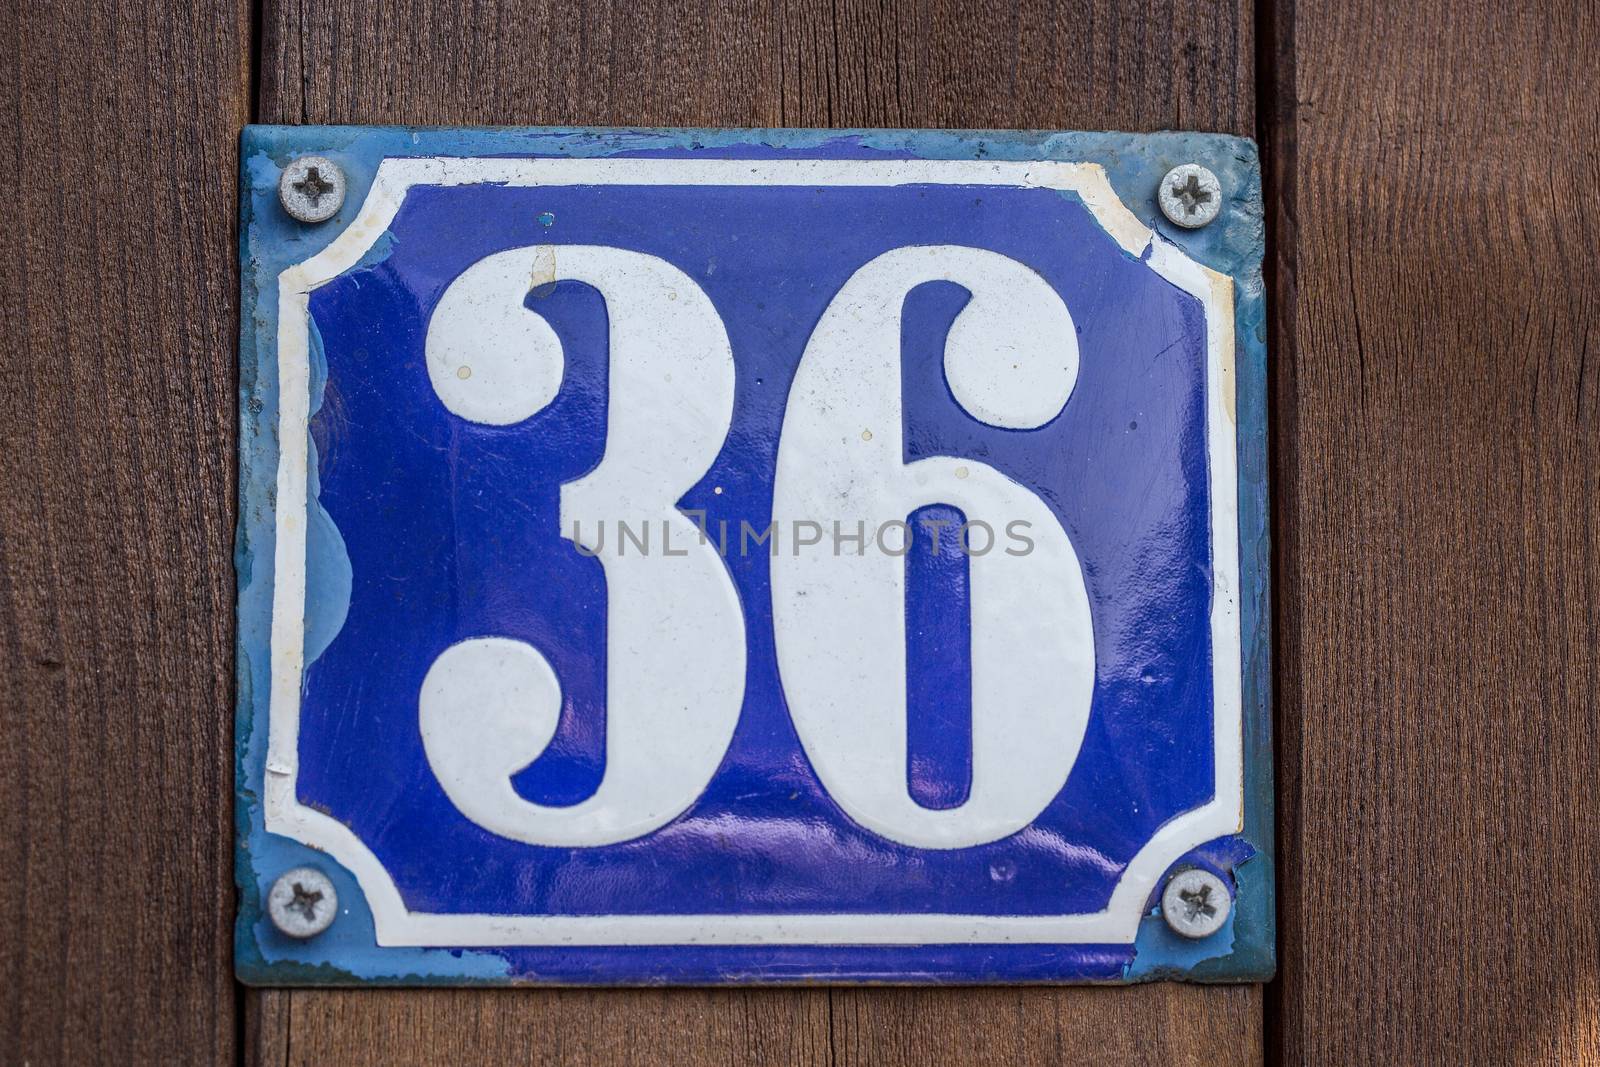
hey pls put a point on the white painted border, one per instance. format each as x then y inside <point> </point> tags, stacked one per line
<point>396,925</point>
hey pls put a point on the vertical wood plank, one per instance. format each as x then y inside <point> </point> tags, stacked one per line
<point>116,529</point>
<point>551,1028</point>
<point>1152,1026</point>
<point>1149,64</point>
<point>1437,428</point>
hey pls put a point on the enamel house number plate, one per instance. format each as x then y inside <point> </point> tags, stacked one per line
<point>696,556</point>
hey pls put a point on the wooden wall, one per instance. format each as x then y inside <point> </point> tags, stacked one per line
<point>1437,519</point>
<point>1433,173</point>
<point>117,397</point>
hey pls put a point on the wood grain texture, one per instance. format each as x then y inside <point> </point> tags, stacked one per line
<point>117,402</point>
<point>1096,65</point>
<point>1147,1026</point>
<point>1437,428</point>
<point>1100,64</point>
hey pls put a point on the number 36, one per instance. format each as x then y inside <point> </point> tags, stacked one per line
<point>489,705</point>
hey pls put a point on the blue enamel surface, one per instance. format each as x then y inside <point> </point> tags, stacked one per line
<point>938,658</point>
<point>410,550</point>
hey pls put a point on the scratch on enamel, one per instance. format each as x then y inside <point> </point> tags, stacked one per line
<point>544,266</point>
<point>1222,294</point>
<point>1108,209</point>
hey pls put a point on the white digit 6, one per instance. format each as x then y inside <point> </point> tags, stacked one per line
<point>674,685</point>
<point>1011,359</point>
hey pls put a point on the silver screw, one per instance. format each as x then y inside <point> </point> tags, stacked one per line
<point>302,902</point>
<point>311,189</point>
<point>1195,903</point>
<point>1190,196</point>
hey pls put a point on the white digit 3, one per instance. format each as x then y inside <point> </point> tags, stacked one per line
<point>674,683</point>
<point>1011,360</point>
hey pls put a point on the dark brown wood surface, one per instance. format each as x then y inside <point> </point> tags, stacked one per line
<point>1191,1026</point>
<point>117,399</point>
<point>1104,65</point>
<point>1099,64</point>
<point>1437,414</point>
